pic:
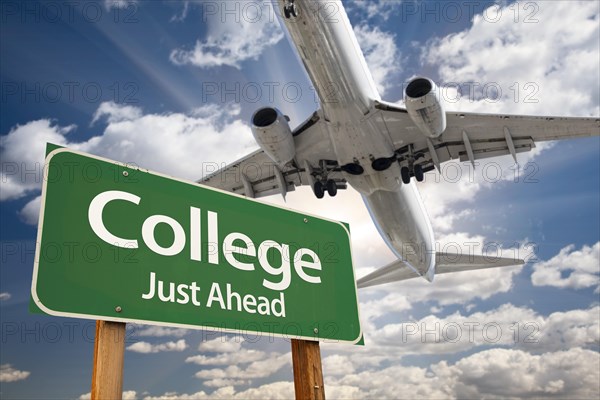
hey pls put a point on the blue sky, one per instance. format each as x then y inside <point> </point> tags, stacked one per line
<point>165,84</point>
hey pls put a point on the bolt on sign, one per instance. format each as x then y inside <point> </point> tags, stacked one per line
<point>125,244</point>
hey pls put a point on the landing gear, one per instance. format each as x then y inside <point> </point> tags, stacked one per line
<point>408,158</point>
<point>405,173</point>
<point>290,10</point>
<point>319,190</point>
<point>418,171</point>
<point>331,188</point>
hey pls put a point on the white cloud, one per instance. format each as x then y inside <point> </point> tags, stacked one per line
<point>4,296</point>
<point>31,212</point>
<point>562,69</point>
<point>9,374</point>
<point>145,347</point>
<point>184,146</point>
<point>337,365</point>
<point>158,331</point>
<point>270,391</point>
<point>222,344</point>
<point>507,325</point>
<point>116,112</point>
<point>570,268</point>
<point>242,356</point>
<point>22,155</point>
<point>494,373</point>
<point>573,374</point>
<point>381,54</point>
<point>257,369</point>
<point>224,382</point>
<point>234,39</point>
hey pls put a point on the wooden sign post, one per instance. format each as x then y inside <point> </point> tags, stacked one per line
<point>109,350</point>
<point>308,372</point>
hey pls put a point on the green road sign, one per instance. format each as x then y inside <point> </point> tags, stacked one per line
<point>124,244</point>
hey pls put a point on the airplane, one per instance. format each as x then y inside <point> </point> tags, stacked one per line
<point>377,147</point>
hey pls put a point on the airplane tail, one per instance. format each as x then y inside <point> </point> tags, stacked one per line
<point>444,263</point>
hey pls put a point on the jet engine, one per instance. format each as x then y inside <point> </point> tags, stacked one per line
<point>423,103</point>
<point>273,134</point>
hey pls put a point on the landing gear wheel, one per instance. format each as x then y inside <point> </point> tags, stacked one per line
<point>319,190</point>
<point>405,173</point>
<point>331,188</point>
<point>419,173</point>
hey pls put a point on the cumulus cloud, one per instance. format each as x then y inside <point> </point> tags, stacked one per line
<point>507,325</point>
<point>381,54</point>
<point>145,347</point>
<point>235,39</point>
<point>255,370</point>
<point>181,145</point>
<point>492,51</point>
<point>158,331</point>
<point>494,373</point>
<point>31,212</point>
<point>22,155</point>
<point>337,365</point>
<point>222,344</point>
<point>562,69</point>
<point>9,374</point>
<point>270,391</point>
<point>242,356</point>
<point>570,268</point>
<point>114,112</point>
<point>557,374</point>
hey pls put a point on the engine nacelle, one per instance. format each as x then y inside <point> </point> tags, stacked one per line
<point>423,103</point>
<point>273,134</point>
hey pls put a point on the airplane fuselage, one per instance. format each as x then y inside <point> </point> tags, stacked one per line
<point>329,50</point>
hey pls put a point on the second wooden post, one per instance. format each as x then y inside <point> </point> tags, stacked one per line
<point>308,372</point>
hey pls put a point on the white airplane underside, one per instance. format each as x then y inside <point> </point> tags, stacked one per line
<point>376,147</point>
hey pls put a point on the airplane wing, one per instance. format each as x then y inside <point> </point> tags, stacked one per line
<point>256,175</point>
<point>472,136</point>
<point>444,263</point>
<point>468,137</point>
